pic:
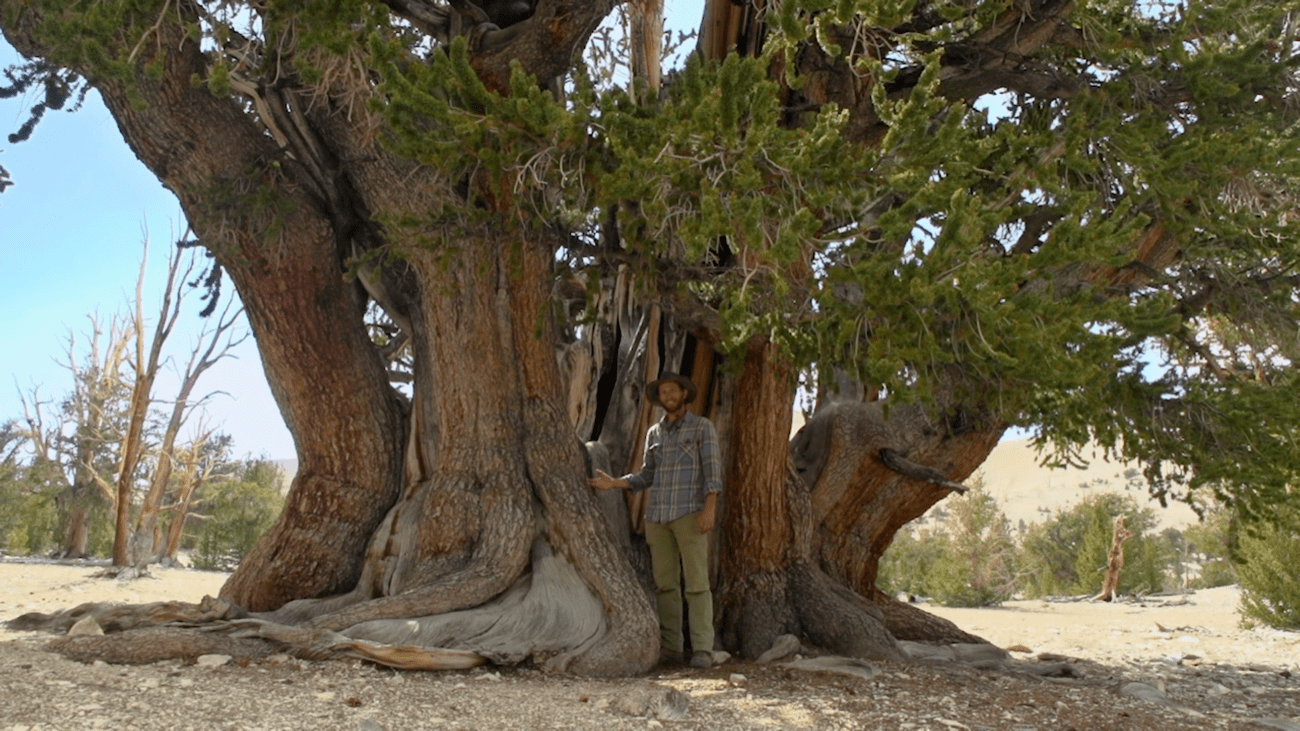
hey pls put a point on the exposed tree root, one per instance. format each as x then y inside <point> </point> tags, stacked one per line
<point>156,644</point>
<point>548,614</point>
<point>123,617</point>
<point>906,622</point>
<point>840,621</point>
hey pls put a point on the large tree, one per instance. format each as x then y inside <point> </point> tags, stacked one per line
<point>1067,214</point>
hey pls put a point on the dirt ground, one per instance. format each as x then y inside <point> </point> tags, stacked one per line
<point>1175,662</point>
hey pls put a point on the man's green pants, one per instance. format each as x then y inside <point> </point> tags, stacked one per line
<point>677,549</point>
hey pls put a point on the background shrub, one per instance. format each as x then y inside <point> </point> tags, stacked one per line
<point>1269,570</point>
<point>235,514</point>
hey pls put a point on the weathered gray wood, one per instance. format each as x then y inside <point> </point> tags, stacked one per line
<point>548,613</point>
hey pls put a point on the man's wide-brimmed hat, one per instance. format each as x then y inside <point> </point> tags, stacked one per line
<point>652,388</point>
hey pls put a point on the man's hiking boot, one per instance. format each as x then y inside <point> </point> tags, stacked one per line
<point>702,659</point>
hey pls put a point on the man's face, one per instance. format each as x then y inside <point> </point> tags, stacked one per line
<point>671,395</point>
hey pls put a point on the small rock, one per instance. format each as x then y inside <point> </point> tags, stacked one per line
<point>1282,724</point>
<point>736,679</point>
<point>1144,692</point>
<point>85,626</point>
<point>666,704</point>
<point>1019,648</point>
<point>212,661</point>
<point>1217,689</point>
<point>1052,670</point>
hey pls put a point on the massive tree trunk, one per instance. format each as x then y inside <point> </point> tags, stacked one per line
<point>771,583</point>
<point>858,500</point>
<point>849,456</point>
<point>501,489</point>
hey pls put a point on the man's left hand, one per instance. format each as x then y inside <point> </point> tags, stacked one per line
<point>707,519</point>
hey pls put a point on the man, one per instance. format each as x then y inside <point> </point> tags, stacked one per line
<point>682,469</point>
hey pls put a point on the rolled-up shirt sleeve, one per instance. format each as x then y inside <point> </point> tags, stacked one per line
<point>711,459</point>
<point>638,481</point>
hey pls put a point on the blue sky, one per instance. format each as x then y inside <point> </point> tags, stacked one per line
<point>71,233</point>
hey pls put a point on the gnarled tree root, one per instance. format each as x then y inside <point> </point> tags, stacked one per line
<point>807,603</point>
<point>123,617</point>
<point>549,615</point>
<point>910,623</point>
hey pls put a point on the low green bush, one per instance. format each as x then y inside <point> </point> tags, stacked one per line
<point>1270,582</point>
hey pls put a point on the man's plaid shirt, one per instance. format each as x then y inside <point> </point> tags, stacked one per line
<point>682,465</point>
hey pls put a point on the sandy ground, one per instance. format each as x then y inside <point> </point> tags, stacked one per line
<point>1206,624</point>
<point>1219,676</point>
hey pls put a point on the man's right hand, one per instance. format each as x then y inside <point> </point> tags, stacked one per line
<point>603,481</point>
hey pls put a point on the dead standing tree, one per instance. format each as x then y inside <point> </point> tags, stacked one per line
<point>93,415</point>
<point>1114,561</point>
<point>215,341</point>
<point>134,548</point>
<point>832,194</point>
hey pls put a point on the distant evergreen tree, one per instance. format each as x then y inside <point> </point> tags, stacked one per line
<point>905,566</point>
<point>978,567</point>
<point>236,512</point>
<point>1270,582</point>
<point>1067,554</point>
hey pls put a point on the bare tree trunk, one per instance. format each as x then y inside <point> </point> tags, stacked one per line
<point>147,542</point>
<point>645,36</point>
<point>1114,561</point>
<point>771,585</point>
<point>146,370</point>
<point>192,477</point>
<point>74,514</point>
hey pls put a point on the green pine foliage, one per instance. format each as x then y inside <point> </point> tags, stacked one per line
<point>968,560</point>
<point>234,513</point>
<point>905,566</point>
<point>1270,583</point>
<point>1213,543</point>
<point>1067,554</point>
<point>978,567</point>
